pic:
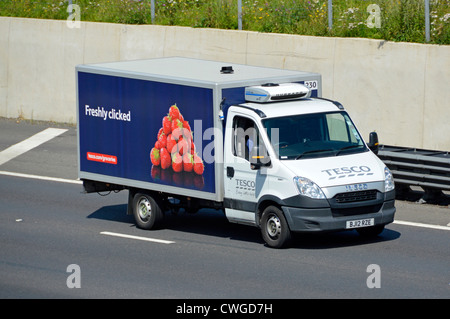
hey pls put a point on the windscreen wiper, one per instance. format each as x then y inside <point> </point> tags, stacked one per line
<point>314,151</point>
<point>348,147</point>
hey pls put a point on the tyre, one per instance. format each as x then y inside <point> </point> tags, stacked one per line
<point>274,228</point>
<point>146,211</point>
<point>372,231</point>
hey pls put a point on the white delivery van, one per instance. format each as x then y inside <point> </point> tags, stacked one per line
<point>260,144</point>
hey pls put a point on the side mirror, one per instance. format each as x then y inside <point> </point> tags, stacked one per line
<point>373,142</point>
<point>259,157</point>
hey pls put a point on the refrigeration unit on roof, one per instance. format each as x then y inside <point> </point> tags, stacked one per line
<point>272,92</point>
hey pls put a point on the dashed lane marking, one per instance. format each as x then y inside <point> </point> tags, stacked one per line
<point>160,241</point>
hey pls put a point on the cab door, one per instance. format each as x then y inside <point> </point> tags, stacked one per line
<point>243,184</point>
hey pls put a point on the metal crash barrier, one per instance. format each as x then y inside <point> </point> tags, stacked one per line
<point>418,167</point>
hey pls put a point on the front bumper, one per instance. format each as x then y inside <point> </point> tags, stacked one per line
<point>324,219</point>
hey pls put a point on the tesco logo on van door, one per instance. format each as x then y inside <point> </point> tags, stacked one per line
<point>345,171</point>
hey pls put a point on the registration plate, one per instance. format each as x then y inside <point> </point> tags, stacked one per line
<point>360,223</point>
<point>356,187</point>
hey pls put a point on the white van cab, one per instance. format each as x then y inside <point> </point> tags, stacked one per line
<point>308,162</point>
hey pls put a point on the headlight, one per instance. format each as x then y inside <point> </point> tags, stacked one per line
<point>308,188</point>
<point>388,180</point>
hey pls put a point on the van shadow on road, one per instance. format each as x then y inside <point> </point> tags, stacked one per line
<point>214,223</point>
<point>117,213</point>
<point>341,239</point>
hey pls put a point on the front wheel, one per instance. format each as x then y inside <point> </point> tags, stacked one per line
<point>146,211</point>
<point>274,228</point>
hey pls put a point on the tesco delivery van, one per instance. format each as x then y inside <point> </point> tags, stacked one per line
<point>258,143</point>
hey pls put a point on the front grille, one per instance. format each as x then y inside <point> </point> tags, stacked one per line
<point>358,196</point>
<point>339,212</point>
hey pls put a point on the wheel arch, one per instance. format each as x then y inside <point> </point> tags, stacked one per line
<point>264,202</point>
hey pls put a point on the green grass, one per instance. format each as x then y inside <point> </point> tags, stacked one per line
<point>399,20</point>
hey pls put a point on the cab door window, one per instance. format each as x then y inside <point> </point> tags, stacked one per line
<point>245,136</point>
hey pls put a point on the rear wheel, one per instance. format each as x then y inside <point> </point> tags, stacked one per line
<point>146,211</point>
<point>274,228</point>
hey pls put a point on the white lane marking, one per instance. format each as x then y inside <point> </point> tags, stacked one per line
<point>161,241</point>
<point>44,178</point>
<point>401,222</point>
<point>30,143</point>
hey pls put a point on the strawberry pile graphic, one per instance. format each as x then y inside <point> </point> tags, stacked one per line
<point>174,148</point>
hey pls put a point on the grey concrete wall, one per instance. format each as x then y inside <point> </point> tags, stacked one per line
<point>401,90</point>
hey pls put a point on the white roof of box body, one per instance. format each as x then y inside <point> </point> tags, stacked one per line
<point>194,71</point>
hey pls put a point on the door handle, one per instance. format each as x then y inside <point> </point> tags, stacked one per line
<point>230,171</point>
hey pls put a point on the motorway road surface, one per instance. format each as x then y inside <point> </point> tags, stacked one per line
<point>48,225</point>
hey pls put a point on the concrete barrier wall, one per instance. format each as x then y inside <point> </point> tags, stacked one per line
<point>401,90</point>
